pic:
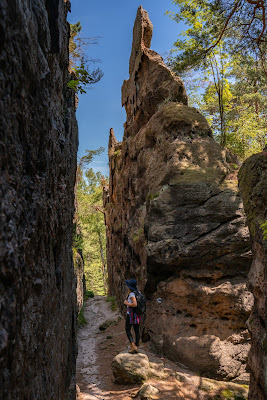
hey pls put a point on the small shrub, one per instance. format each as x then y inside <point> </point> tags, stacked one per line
<point>117,153</point>
<point>264,230</point>
<point>136,238</point>
<point>112,300</point>
<point>152,196</point>
<point>81,318</point>
<point>138,235</point>
<point>106,324</point>
<point>234,167</point>
<point>89,294</point>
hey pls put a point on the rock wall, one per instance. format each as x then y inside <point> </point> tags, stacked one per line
<point>175,221</point>
<point>38,163</point>
<point>80,277</point>
<point>78,260</point>
<point>253,187</point>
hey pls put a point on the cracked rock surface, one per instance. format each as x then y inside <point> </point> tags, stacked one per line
<point>253,186</point>
<point>38,143</point>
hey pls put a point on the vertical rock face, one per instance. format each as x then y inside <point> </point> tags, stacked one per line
<point>175,221</point>
<point>38,164</point>
<point>80,278</point>
<point>253,187</point>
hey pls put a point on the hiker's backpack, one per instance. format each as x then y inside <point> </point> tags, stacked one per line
<point>141,302</point>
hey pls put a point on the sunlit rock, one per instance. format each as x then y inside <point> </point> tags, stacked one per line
<point>130,368</point>
<point>175,222</point>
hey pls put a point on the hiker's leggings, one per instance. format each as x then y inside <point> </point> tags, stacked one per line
<point>128,328</point>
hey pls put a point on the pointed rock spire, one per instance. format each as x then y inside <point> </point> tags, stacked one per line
<point>142,35</point>
<point>112,140</point>
<point>151,83</point>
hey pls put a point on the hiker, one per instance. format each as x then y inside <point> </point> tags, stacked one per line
<point>132,318</point>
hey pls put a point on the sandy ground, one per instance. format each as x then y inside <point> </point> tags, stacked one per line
<point>96,350</point>
<point>96,311</point>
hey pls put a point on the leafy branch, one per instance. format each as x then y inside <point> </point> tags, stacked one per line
<point>79,62</point>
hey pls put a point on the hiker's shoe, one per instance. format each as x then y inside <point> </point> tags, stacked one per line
<point>133,349</point>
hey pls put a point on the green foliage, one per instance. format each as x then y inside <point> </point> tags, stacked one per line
<point>117,153</point>
<point>112,300</point>
<point>138,235</point>
<point>89,294</point>
<point>82,75</point>
<point>81,318</point>
<point>152,196</point>
<point>264,230</point>
<point>239,24</point>
<point>230,395</point>
<point>91,222</point>
<point>89,156</point>
<point>74,48</point>
<point>229,87</point>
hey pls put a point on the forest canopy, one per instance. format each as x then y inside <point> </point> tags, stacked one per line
<point>90,225</point>
<point>221,56</point>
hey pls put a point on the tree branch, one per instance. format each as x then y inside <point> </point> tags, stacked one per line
<point>225,26</point>
<point>258,4</point>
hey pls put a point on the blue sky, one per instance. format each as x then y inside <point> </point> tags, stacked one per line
<point>100,108</point>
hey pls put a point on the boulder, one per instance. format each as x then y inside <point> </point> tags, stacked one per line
<point>130,368</point>
<point>175,221</point>
<point>148,392</point>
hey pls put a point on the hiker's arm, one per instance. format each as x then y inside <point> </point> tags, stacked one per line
<point>133,304</point>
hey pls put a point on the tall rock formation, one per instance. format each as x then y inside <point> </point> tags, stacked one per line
<point>175,221</point>
<point>38,162</point>
<point>253,187</point>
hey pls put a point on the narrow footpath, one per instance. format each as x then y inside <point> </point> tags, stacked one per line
<point>96,311</point>
<point>96,349</point>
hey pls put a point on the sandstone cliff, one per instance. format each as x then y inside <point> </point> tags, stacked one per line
<point>253,187</point>
<point>175,221</point>
<point>38,163</point>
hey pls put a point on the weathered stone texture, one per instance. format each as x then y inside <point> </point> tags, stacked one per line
<point>175,222</point>
<point>38,163</point>
<point>80,278</point>
<point>151,83</point>
<point>253,187</point>
<point>130,368</point>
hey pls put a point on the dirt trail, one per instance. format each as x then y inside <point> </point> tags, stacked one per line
<point>96,311</point>
<point>96,350</point>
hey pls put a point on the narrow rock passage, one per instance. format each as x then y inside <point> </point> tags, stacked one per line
<point>96,311</point>
<point>96,350</point>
